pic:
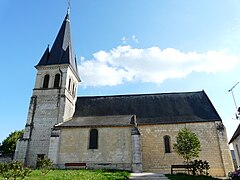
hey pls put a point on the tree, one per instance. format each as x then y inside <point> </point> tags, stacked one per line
<point>187,145</point>
<point>9,144</point>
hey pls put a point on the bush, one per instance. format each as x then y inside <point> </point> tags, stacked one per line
<point>44,165</point>
<point>4,168</point>
<point>235,174</point>
<point>200,167</point>
<point>14,170</point>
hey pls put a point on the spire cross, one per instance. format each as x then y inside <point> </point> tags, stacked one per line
<point>68,6</point>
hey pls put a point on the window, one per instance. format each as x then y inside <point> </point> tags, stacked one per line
<point>56,81</point>
<point>167,144</point>
<point>73,90</point>
<point>93,140</point>
<point>46,81</point>
<point>69,85</point>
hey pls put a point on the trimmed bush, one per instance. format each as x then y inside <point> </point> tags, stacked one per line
<point>200,167</point>
<point>14,170</point>
<point>235,174</point>
<point>44,165</point>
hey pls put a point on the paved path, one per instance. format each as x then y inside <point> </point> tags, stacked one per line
<point>146,176</point>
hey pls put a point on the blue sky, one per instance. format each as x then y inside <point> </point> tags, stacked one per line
<point>124,47</point>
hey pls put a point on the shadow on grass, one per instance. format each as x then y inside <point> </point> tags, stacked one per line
<point>181,176</point>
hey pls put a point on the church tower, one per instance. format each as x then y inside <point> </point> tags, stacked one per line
<point>54,96</point>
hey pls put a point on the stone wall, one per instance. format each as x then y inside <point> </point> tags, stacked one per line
<point>53,149</point>
<point>114,147</point>
<point>44,119</point>
<point>156,160</point>
<point>48,107</point>
<point>5,159</point>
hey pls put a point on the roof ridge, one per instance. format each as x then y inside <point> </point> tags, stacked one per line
<point>143,94</point>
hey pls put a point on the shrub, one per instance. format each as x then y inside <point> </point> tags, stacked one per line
<point>44,165</point>
<point>235,174</point>
<point>14,170</point>
<point>4,170</point>
<point>200,167</point>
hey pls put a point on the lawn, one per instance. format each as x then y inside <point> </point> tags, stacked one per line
<point>78,174</point>
<point>188,177</point>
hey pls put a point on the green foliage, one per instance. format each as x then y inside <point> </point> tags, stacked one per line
<point>44,165</point>
<point>14,170</point>
<point>80,174</point>
<point>115,174</point>
<point>234,175</point>
<point>4,169</point>
<point>187,145</point>
<point>200,167</point>
<point>9,144</point>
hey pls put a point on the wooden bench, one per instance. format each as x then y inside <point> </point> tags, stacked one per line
<point>181,168</point>
<point>75,165</point>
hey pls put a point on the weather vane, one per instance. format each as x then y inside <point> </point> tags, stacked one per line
<point>68,6</point>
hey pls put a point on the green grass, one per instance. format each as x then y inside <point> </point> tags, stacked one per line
<point>79,175</point>
<point>188,177</point>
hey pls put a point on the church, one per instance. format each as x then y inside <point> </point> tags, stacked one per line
<point>126,132</point>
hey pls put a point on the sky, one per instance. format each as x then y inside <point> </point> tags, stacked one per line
<point>124,47</point>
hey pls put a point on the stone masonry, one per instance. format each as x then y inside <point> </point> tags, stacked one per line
<point>114,150</point>
<point>214,147</point>
<point>48,107</point>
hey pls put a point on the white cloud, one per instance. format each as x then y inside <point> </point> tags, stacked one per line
<point>124,40</point>
<point>127,40</point>
<point>135,39</point>
<point>127,64</point>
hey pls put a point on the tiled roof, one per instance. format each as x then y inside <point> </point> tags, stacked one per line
<point>91,121</point>
<point>159,108</point>
<point>62,50</point>
<point>235,135</point>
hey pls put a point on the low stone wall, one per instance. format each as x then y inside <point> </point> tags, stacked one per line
<point>5,158</point>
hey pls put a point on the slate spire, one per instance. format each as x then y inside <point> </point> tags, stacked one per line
<point>62,50</point>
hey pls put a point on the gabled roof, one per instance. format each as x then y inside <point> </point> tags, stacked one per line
<point>151,108</point>
<point>235,135</point>
<point>62,50</point>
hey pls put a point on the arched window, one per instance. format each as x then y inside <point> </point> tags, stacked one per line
<point>46,81</point>
<point>93,140</point>
<point>56,81</point>
<point>167,144</point>
<point>69,85</point>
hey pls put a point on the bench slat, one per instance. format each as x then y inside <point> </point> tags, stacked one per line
<point>181,166</point>
<point>75,164</point>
